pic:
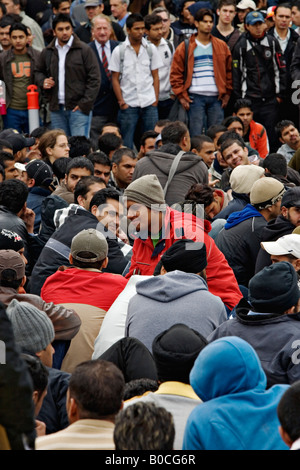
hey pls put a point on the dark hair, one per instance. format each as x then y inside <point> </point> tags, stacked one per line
<point>147,135</point>
<point>144,426</point>
<point>109,124</point>
<point>281,125</point>
<point>61,18</point>
<point>174,132</point>
<point>4,157</point>
<point>283,5</point>
<point>79,146</point>
<point>56,3</point>
<point>229,138</point>
<point>38,132</point>
<point>88,264</point>
<point>242,103</point>
<point>199,15</point>
<point>59,167</point>
<point>162,122</point>
<point>80,162</point>
<point>3,9</point>
<point>84,184</point>
<point>288,411</point>
<point>121,152</point>
<point>200,193</point>
<point>13,195</point>
<point>2,172</point>
<point>99,157</point>
<point>109,141</point>
<point>39,373</point>
<point>133,18</point>
<point>8,279</point>
<point>18,27</point>
<point>230,119</point>
<point>9,20</point>
<point>100,197</point>
<point>138,387</point>
<point>152,20</point>
<point>198,140</point>
<point>97,386</point>
<point>276,164</point>
<point>213,130</point>
<point>223,3</point>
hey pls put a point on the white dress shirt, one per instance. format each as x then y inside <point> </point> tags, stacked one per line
<point>136,80</point>
<point>62,52</point>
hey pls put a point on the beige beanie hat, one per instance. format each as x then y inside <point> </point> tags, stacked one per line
<point>145,190</point>
<point>265,192</point>
<point>243,177</point>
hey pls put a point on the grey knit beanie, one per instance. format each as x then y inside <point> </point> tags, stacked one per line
<point>33,329</point>
<point>145,190</point>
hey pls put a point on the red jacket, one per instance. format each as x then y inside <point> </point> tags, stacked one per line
<point>220,278</point>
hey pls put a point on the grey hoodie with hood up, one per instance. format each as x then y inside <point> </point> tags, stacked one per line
<point>175,297</point>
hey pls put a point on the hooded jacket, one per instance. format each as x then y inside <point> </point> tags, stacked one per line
<point>239,241</point>
<point>175,297</point>
<point>237,412</point>
<point>176,225</point>
<point>191,169</point>
<point>275,228</point>
<point>274,337</point>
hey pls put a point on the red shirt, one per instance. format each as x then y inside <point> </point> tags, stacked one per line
<point>83,287</point>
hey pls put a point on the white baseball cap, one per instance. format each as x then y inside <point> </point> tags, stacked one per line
<point>286,245</point>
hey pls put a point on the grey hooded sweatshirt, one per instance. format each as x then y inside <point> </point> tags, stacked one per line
<point>175,297</point>
<point>191,169</point>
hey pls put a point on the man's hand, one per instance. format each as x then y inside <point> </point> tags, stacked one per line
<point>48,83</point>
<point>40,428</point>
<point>225,100</point>
<point>185,103</point>
<point>28,217</point>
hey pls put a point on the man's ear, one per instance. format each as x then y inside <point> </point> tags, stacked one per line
<point>70,258</point>
<point>285,437</point>
<point>23,282</point>
<point>94,210</point>
<point>105,263</point>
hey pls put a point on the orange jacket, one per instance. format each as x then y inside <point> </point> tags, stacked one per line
<point>222,67</point>
<point>258,139</point>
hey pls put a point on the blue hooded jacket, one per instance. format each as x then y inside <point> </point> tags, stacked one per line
<point>237,412</point>
<point>236,218</point>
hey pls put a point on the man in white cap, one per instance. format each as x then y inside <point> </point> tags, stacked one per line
<point>286,248</point>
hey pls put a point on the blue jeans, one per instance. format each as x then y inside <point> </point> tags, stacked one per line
<point>129,118</point>
<point>205,111</point>
<point>16,119</point>
<point>73,123</point>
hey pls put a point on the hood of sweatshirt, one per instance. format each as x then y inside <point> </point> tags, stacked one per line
<point>237,217</point>
<point>276,228</point>
<point>227,366</point>
<point>163,158</point>
<point>170,286</point>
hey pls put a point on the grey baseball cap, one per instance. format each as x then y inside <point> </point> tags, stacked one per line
<point>90,240</point>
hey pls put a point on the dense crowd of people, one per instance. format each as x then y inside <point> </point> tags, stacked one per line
<point>149,225</point>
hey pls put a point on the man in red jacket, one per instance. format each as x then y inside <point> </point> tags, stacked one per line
<point>155,227</point>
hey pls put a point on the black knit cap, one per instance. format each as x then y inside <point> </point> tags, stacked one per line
<point>274,289</point>
<point>175,351</point>
<point>185,255</point>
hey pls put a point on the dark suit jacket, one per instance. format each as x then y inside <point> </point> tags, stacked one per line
<point>105,103</point>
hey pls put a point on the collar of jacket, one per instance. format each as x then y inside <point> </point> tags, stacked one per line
<point>76,44</point>
<point>177,388</point>
<point>243,308</point>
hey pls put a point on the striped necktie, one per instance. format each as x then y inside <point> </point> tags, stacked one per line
<point>105,63</point>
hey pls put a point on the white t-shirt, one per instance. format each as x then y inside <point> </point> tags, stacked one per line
<point>136,80</point>
<point>62,52</point>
